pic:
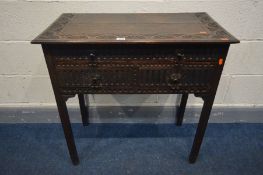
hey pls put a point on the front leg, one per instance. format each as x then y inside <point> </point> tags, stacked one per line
<point>207,106</point>
<point>64,117</point>
<point>61,104</point>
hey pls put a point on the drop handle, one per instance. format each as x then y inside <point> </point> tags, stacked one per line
<point>175,77</point>
<point>92,56</point>
<point>180,56</point>
<point>93,62</point>
<point>96,82</point>
<point>173,80</point>
<point>95,79</point>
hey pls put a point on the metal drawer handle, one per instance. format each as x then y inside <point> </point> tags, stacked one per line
<point>173,80</point>
<point>95,82</point>
<point>92,56</point>
<point>95,79</point>
<point>175,77</point>
<point>180,56</point>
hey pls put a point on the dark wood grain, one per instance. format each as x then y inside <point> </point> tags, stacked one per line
<point>135,54</point>
<point>83,110</point>
<point>181,110</point>
<point>135,28</point>
<point>62,108</point>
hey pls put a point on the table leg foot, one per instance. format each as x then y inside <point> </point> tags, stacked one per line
<point>192,159</point>
<point>75,161</point>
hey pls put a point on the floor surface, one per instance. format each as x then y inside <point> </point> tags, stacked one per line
<point>120,149</point>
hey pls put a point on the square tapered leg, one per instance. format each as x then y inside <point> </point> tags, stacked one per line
<point>180,112</point>
<point>207,106</point>
<point>63,113</point>
<point>84,109</point>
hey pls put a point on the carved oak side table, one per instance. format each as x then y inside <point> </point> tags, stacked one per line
<point>174,53</point>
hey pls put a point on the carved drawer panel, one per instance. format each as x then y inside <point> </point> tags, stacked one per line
<point>140,69</point>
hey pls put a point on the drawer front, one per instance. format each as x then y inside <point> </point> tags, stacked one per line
<point>133,69</point>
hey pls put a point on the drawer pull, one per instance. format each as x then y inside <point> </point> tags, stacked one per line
<point>175,77</point>
<point>95,82</point>
<point>180,56</point>
<point>173,80</point>
<point>92,56</point>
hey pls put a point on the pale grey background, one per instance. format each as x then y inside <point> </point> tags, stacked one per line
<point>24,79</point>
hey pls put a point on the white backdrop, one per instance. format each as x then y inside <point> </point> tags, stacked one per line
<point>24,79</point>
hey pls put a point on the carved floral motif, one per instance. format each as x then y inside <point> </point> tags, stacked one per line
<point>215,32</point>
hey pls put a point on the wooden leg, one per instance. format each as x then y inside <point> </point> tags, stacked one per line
<point>83,110</point>
<point>63,113</point>
<point>62,107</point>
<point>180,112</point>
<point>207,106</point>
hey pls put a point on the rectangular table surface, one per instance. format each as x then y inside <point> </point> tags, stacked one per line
<point>135,28</point>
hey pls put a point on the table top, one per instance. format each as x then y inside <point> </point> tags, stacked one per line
<point>90,28</point>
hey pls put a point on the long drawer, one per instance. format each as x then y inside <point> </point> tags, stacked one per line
<point>136,69</point>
